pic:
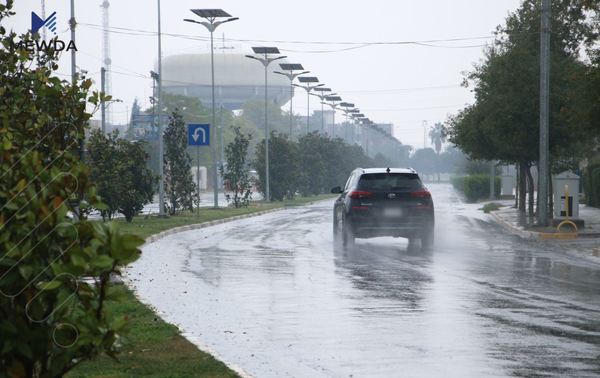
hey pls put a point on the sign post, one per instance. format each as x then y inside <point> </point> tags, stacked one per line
<point>198,135</point>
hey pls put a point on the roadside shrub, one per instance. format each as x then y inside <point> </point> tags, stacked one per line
<point>475,187</point>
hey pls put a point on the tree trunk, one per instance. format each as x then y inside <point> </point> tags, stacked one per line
<point>550,197</point>
<point>537,201</point>
<point>522,186</point>
<point>517,186</point>
<point>531,190</point>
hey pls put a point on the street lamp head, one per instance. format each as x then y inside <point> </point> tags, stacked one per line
<point>291,66</point>
<point>210,13</point>
<point>323,89</point>
<point>333,98</point>
<point>308,79</point>
<point>265,50</point>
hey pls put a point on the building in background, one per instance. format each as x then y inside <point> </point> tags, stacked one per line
<point>237,79</point>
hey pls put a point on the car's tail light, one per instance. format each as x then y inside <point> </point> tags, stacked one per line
<point>421,193</point>
<point>358,194</point>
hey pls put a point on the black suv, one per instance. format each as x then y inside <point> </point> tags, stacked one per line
<point>383,202</point>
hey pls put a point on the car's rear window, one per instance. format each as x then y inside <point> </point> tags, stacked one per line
<point>389,181</point>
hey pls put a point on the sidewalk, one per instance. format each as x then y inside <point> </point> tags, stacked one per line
<point>525,227</point>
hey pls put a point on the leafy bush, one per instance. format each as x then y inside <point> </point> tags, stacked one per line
<point>118,170</point>
<point>283,166</point>
<point>180,190</point>
<point>54,272</point>
<point>475,187</point>
<point>236,174</point>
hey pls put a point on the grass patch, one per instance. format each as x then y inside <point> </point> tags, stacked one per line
<point>155,348</point>
<point>489,207</point>
<point>147,226</point>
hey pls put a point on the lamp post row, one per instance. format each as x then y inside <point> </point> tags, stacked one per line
<point>213,18</point>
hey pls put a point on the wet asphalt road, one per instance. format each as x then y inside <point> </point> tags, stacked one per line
<point>271,296</point>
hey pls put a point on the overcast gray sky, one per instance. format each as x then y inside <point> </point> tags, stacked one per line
<point>397,83</point>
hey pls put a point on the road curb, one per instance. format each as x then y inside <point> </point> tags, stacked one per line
<point>197,226</point>
<point>523,234</point>
<point>534,235</point>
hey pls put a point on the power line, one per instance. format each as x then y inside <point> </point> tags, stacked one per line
<point>352,45</point>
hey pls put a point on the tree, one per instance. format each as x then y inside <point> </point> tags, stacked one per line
<point>284,167</point>
<point>118,170</point>
<point>136,182</point>
<point>236,172</point>
<point>313,165</point>
<point>179,183</point>
<point>424,161</point>
<point>437,136</point>
<point>135,112</point>
<point>102,160</point>
<point>503,123</point>
<point>51,318</point>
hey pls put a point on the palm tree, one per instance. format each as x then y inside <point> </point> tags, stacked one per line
<point>438,137</point>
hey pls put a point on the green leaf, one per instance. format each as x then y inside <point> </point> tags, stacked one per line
<point>103,262</point>
<point>52,285</point>
<point>25,270</point>
<point>78,260</point>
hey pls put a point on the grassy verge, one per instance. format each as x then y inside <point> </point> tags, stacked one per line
<point>489,207</point>
<point>146,226</point>
<point>155,348</point>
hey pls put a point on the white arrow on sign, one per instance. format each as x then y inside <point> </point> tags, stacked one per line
<point>195,136</point>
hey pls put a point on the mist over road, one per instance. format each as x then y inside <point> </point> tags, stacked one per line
<point>271,295</point>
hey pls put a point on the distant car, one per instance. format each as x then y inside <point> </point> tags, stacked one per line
<point>383,202</point>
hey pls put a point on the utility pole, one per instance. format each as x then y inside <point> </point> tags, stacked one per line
<point>161,183</point>
<point>72,25</point>
<point>543,170</point>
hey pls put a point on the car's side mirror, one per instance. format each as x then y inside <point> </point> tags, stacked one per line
<point>336,190</point>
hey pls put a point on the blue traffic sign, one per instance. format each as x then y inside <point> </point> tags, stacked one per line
<point>198,134</point>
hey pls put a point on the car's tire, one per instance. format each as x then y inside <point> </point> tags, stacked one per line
<point>347,235</point>
<point>427,239</point>
<point>412,243</point>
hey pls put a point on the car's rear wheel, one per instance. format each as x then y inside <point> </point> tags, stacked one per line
<point>427,239</point>
<point>347,235</point>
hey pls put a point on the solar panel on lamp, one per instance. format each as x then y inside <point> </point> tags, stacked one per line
<point>265,50</point>
<point>208,13</point>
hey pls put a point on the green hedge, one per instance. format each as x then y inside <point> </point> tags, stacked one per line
<point>475,187</point>
<point>591,185</point>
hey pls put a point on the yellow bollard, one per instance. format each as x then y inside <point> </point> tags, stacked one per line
<point>566,221</point>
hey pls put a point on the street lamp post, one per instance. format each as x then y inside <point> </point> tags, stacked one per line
<point>291,75</point>
<point>333,103</point>
<point>322,95</point>
<point>346,107</point>
<point>356,117</point>
<point>307,80</point>
<point>161,183</point>
<point>265,60</point>
<point>211,24</point>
